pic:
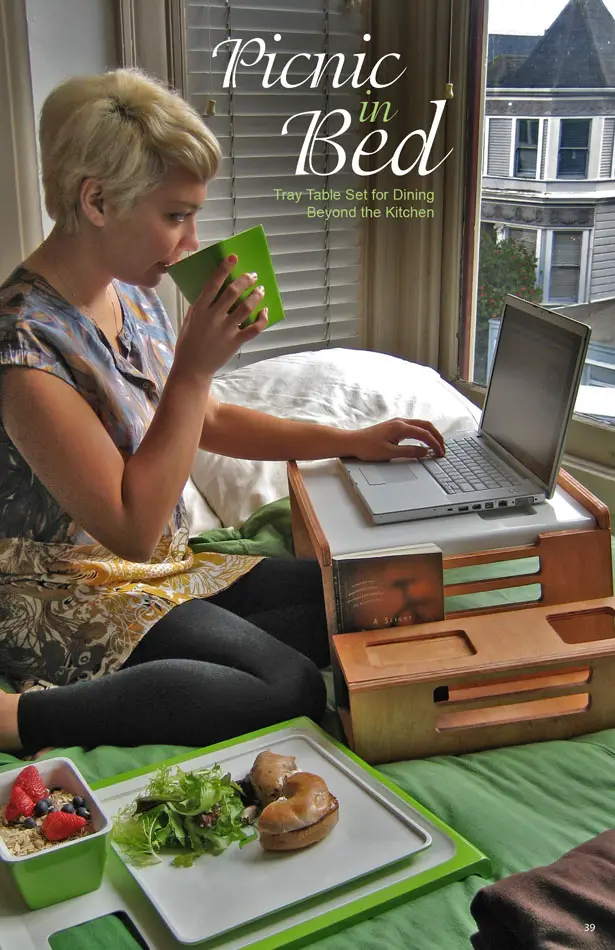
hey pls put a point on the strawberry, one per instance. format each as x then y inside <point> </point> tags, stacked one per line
<point>19,804</point>
<point>30,780</point>
<point>60,825</point>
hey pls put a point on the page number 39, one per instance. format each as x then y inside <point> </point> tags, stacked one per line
<point>589,928</point>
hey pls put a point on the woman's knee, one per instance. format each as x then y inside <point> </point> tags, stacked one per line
<point>302,691</point>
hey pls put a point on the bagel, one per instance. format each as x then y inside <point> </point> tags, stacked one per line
<point>305,813</point>
<point>268,774</point>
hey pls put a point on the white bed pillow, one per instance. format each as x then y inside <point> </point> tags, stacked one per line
<point>342,387</point>
<point>200,515</point>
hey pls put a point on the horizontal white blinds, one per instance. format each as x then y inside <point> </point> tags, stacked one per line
<point>316,259</point>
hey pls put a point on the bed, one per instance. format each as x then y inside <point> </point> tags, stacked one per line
<point>523,806</point>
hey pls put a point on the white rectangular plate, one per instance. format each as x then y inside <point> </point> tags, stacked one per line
<point>218,894</point>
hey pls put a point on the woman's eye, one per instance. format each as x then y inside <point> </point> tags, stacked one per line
<point>178,217</point>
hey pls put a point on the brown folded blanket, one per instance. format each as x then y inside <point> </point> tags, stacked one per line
<point>568,905</point>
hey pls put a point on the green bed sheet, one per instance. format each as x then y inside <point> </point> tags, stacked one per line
<point>523,806</point>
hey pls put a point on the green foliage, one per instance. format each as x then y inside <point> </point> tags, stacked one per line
<point>166,817</point>
<point>507,267</point>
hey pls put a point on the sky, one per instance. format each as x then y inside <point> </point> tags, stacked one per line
<point>530,17</point>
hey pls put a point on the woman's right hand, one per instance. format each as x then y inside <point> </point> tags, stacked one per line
<point>210,335</point>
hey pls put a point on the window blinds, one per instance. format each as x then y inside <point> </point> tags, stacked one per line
<point>316,259</point>
<point>565,265</point>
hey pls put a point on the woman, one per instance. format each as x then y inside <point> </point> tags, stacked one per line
<point>102,413</point>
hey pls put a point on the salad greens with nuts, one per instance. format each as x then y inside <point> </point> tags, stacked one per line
<point>194,813</point>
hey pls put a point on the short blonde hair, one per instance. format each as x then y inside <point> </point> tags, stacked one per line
<point>125,129</point>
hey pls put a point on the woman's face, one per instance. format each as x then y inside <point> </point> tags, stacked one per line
<point>156,232</point>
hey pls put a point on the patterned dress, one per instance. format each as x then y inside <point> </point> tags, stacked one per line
<point>69,608</point>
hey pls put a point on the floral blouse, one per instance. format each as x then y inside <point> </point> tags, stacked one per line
<point>69,608</point>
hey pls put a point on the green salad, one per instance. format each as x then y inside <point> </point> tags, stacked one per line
<point>193,813</point>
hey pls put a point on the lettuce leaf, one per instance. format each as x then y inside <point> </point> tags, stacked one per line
<point>167,817</point>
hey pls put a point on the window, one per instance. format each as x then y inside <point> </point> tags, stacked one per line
<point>525,236</point>
<point>526,152</point>
<point>572,159</point>
<point>503,110</point>
<point>562,144</point>
<point>565,266</point>
<point>316,258</point>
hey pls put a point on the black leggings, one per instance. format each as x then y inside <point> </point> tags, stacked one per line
<point>209,670</point>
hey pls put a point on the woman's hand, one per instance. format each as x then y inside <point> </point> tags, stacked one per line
<point>381,442</point>
<point>210,335</point>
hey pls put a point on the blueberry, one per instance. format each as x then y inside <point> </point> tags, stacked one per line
<point>51,808</point>
<point>29,823</point>
<point>78,801</point>
<point>49,800</point>
<point>83,813</point>
<point>70,809</point>
<point>41,808</point>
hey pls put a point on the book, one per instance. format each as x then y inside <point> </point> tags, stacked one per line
<point>389,587</point>
<point>252,250</point>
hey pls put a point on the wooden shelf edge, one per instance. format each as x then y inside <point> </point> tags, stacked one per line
<point>312,525</point>
<point>580,493</point>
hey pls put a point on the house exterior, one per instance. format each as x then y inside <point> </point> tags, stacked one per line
<point>549,163</point>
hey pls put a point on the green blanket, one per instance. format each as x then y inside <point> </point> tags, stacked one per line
<point>268,532</point>
<point>523,806</point>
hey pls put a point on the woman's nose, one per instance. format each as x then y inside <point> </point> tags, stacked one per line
<point>190,240</point>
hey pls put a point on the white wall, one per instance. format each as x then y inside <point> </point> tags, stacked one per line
<point>68,38</point>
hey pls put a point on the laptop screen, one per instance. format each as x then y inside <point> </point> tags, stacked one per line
<point>533,386</point>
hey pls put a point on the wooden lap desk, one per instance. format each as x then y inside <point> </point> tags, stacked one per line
<point>495,678</point>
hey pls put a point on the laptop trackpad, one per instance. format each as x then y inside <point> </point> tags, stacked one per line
<point>388,473</point>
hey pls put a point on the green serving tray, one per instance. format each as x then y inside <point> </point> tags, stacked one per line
<point>450,858</point>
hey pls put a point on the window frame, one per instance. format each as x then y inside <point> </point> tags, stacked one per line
<point>589,441</point>
<point>582,265</point>
<point>527,148</point>
<point>593,443</point>
<point>568,148</point>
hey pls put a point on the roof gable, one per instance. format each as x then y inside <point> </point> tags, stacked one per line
<point>577,51</point>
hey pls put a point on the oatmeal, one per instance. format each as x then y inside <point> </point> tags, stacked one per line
<point>36,819</point>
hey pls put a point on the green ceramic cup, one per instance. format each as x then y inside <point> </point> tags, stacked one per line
<point>70,868</point>
<point>252,252</point>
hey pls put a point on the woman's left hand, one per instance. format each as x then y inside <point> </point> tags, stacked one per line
<point>381,442</point>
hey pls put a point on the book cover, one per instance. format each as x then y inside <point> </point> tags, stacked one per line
<point>388,588</point>
<point>252,250</point>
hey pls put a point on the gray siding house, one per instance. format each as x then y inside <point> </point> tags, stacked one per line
<point>549,163</point>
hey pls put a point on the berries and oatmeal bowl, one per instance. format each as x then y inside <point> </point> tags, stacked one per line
<point>37,817</point>
<point>46,809</point>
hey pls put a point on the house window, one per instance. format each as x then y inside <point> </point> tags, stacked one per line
<point>565,266</point>
<point>525,236</point>
<point>526,151</point>
<point>573,155</point>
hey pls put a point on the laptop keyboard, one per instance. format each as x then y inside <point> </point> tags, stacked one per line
<point>467,467</point>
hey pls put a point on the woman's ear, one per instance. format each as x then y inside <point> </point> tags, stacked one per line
<point>92,201</point>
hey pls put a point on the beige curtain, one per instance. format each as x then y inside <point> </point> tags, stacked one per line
<point>413,271</point>
<point>20,211</point>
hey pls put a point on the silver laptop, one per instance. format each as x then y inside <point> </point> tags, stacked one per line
<point>513,458</point>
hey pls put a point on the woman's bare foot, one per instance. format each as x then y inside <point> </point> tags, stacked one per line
<point>9,734</point>
<point>37,755</point>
